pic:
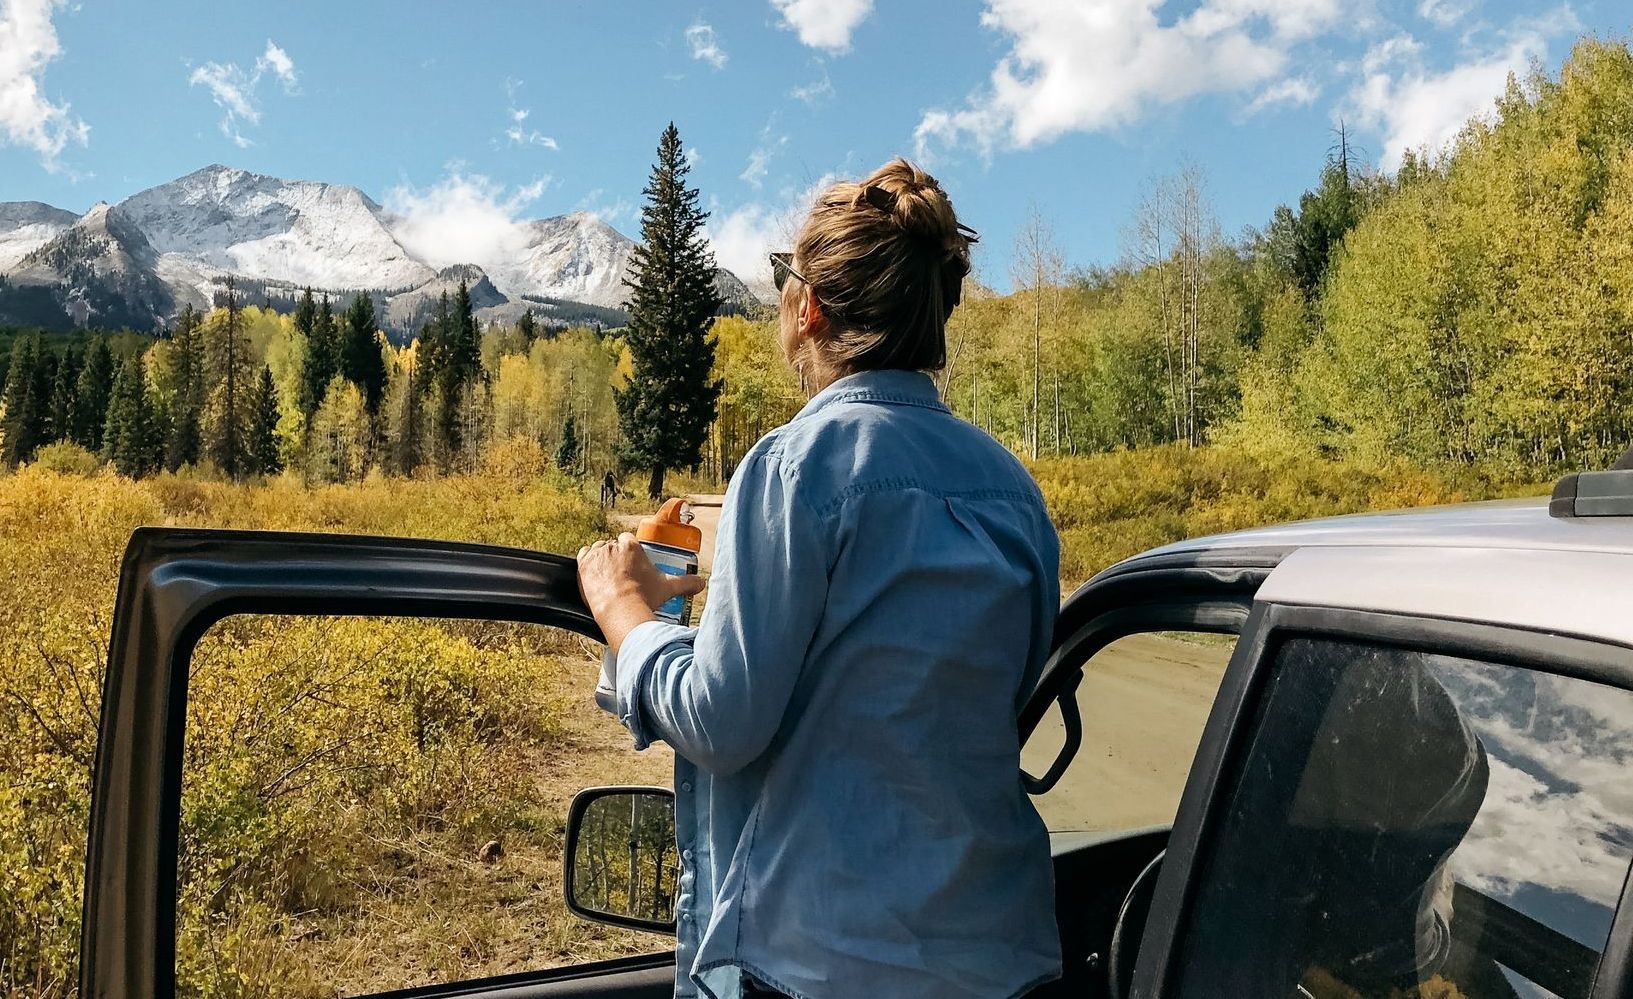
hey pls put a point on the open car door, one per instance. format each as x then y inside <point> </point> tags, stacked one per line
<point>173,586</point>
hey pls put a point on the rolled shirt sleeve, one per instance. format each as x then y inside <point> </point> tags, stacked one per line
<point>717,695</point>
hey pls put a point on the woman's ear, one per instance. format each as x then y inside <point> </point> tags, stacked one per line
<point>812,323</point>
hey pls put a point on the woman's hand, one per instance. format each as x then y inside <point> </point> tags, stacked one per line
<point>622,587</point>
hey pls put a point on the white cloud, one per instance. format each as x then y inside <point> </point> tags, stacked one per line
<point>277,60</point>
<point>1298,91</point>
<point>609,211</point>
<point>824,24</point>
<point>759,160</point>
<point>518,133</point>
<point>741,238</point>
<point>814,92</point>
<point>692,157</point>
<point>234,90</point>
<point>1083,65</point>
<point>1415,108</point>
<point>1444,12</point>
<point>28,43</point>
<point>462,219</point>
<point>705,45</point>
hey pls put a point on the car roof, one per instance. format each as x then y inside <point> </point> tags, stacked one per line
<point>1502,524</point>
<point>1507,563</point>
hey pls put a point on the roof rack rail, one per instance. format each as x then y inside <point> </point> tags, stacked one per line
<point>1594,494</point>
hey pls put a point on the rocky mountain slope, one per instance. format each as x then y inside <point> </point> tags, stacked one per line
<point>137,262</point>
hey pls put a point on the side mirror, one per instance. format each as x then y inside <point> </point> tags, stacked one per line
<point>623,866</point>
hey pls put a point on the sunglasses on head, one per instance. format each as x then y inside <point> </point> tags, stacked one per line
<point>782,265</point>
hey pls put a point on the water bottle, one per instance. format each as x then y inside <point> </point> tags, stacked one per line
<point>672,543</point>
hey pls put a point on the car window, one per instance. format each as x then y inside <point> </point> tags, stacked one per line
<point>1415,825</point>
<point>1144,700</point>
<point>371,804</point>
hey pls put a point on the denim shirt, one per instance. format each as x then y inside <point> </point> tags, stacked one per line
<point>851,818</point>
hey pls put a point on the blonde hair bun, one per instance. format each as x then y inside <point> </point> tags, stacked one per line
<point>886,257</point>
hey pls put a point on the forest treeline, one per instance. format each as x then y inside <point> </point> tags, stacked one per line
<point>1473,308</point>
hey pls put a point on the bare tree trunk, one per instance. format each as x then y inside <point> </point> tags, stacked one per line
<point>1036,267</point>
<point>1056,442</point>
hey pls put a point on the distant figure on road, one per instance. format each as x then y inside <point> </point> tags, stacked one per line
<point>843,718</point>
<point>609,490</point>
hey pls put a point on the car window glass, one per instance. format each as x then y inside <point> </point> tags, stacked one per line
<point>1144,700</point>
<point>1417,825</point>
<point>371,804</point>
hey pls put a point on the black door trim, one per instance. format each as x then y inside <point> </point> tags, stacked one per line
<point>174,584</point>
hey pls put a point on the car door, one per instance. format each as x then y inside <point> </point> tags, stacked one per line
<point>1413,784</point>
<point>174,586</point>
<point>1110,733</point>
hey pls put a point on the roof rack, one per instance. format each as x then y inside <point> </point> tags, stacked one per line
<point>1596,494</point>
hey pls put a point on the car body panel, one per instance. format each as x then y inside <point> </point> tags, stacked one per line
<point>1569,592</point>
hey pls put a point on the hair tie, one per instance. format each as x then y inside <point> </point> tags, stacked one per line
<point>879,198</point>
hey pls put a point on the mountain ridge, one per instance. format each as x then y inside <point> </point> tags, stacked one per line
<point>176,243</point>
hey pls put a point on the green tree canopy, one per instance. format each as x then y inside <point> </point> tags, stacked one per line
<point>668,405</point>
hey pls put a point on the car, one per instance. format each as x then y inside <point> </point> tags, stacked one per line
<point>1411,779</point>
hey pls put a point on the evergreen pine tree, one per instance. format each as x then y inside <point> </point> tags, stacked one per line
<point>456,362</point>
<point>39,396</point>
<point>567,453</point>
<point>227,412</point>
<point>361,361</point>
<point>464,359</point>
<point>529,329</point>
<point>130,443</point>
<point>410,422</point>
<point>322,358</point>
<point>263,450</point>
<point>91,396</point>
<point>187,357</point>
<point>433,346</point>
<point>61,418</point>
<point>26,410</point>
<point>665,411</point>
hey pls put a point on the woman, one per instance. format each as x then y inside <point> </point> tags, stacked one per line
<point>850,812</point>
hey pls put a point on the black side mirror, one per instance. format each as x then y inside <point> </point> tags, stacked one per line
<point>623,866</point>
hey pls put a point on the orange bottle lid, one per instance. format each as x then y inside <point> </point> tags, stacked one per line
<point>667,528</point>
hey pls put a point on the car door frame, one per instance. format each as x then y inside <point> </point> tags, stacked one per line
<point>174,584</point>
<point>1216,770</point>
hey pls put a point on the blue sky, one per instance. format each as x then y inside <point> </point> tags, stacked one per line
<point>473,115</point>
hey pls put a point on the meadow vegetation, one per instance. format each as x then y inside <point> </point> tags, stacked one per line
<point>373,804</point>
<point>342,776</point>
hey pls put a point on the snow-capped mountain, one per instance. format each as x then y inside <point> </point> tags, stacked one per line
<point>297,232</point>
<point>101,265</point>
<point>577,257</point>
<point>25,226</point>
<point>189,235</point>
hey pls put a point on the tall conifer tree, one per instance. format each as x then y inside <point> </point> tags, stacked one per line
<point>322,360</point>
<point>263,449</point>
<point>187,358</point>
<point>361,361</point>
<point>227,413</point>
<point>61,417</point>
<point>91,395</point>
<point>26,408</point>
<point>130,439</point>
<point>665,411</point>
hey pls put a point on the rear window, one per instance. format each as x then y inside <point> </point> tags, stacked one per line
<point>1416,825</point>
